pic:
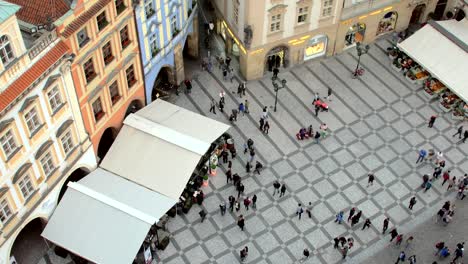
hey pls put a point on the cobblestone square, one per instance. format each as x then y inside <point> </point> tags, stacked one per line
<point>377,123</point>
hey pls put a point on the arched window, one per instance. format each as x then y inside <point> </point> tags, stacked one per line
<point>6,52</point>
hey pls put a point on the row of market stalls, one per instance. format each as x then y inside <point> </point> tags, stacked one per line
<point>106,216</point>
<point>436,57</point>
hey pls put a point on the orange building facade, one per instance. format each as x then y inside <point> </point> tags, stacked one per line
<point>106,69</point>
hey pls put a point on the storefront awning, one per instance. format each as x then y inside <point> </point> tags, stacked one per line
<point>105,218</point>
<point>441,48</point>
<point>160,146</point>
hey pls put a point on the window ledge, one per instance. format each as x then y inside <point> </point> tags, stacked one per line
<point>91,78</point>
<point>13,154</point>
<point>279,32</point>
<point>54,112</point>
<point>36,130</point>
<point>67,155</point>
<point>26,201</point>
<point>4,224</point>
<point>82,44</point>
<point>302,24</point>
<point>324,18</point>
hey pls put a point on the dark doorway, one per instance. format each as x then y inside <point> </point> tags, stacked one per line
<point>440,9</point>
<point>134,106</point>
<point>163,83</point>
<point>107,139</point>
<point>29,246</point>
<point>417,13</point>
<point>186,48</point>
<point>460,15</point>
<point>277,58</point>
<point>77,175</point>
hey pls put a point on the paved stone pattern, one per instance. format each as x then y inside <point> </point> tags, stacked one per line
<point>377,122</point>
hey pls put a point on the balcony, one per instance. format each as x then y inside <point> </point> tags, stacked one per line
<point>41,44</point>
<point>353,8</point>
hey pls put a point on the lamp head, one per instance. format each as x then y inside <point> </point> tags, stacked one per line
<point>367,48</point>
<point>273,78</point>
<point>284,82</point>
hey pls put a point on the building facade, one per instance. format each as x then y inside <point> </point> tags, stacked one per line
<point>167,31</point>
<point>43,141</point>
<point>293,31</point>
<point>106,68</point>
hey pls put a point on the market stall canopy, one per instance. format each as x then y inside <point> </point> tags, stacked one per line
<point>442,49</point>
<point>160,146</point>
<point>105,218</point>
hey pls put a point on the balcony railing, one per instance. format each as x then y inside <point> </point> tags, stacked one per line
<point>42,43</point>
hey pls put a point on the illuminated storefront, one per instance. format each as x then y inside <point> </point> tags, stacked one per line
<point>387,23</point>
<point>355,34</point>
<point>316,47</point>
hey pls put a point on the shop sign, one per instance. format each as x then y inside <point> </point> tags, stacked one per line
<point>316,46</point>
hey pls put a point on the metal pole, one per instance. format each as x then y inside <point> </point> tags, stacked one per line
<point>276,98</point>
<point>357,66</point>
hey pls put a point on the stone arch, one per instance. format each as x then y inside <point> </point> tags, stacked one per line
<point>29,246</point>
<point>163,81</point>
<point>277,57</point>
<point>417,13</point>
<point>106,141</point>
<point>133,107</point>
<point>75,176</point>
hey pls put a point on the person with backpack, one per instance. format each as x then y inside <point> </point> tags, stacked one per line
<point>401,257</point>
<point>299,211</point>
<point>243,253</point>
<point>276,186</point>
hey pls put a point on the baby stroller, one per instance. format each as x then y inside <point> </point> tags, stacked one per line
<point>322,105</point>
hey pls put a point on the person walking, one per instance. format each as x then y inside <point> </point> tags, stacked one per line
<point>399,239</point>
<point>266,127</point>
<point>458,253</point>
<point>317,109</point>
<point>283,190</point>
<point>446,177</point>
<point>225,72</point>
<point>244,88</point>
<point>276,186</point>
<point>370,179</point>
<point>238,206</point>
<point>241,109</point>
<point>222,208</point>
<point>409,241</point>
<point>248,166</point>
<point>213,106</point>
<point>329,94</point>
<point>299,211</point>
<point>428,185</point>
<point>262,123</point>
<point>247,203</point>
<point>232,201</point>
<point>305,255</point>
<point>394,234</point>
<point>258,167</point>
<point>336,242</point>
<point>465,136</point>
<point>432,120</point>
<point>316,97</point>
<point>254,202</point>
<point>244,253</point>
<point>356,218</point>
<point>344,251</point>
<point>422,154</point>
<point>459,132</point>
<point>385,225</point>
<point>412,202</point>
<point>228,175</point>
<point>275,72</point>
<point>367,224</point>
<point>221,106</point>
<point>239,90</point>
<point>202,214</point>
<point>241,222</point>
<point>401,257</point>
<point>317,137</point>
<point>252,155</point>
<point>339,217</point>
<point>351,213</point>
<point>240,190</point>
<point>437,172</point>
<point>412,259</point>
<point>309,210</point>
<point>225,156</point>
<point>439,157</point>
<point>246,106</point>
<point>228,61</point>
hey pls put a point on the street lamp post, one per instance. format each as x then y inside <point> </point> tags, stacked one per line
<point>277,88</point>
<point>361,50</point>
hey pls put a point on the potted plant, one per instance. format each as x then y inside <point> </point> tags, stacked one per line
<point>458,114</point>
<point>205,180</point>
<point>396,65</point>
<point>172,211</point>
<point>187,206</point>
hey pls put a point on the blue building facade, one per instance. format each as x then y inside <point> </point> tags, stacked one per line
<point>167,29</point>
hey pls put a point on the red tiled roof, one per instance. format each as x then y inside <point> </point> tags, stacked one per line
<point>33,73</point>
<point>83,18</point>
<point>36,12</point>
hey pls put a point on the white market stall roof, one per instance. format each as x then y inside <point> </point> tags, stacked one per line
<point>442,49</point>
<point>160,146</point>
<point>105,218</point>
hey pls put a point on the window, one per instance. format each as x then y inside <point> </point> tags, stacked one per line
<point>102,20</point>
<point>124,39</point>
<point>114,92</point>
<point>119,6</point>
<point>8,143</point>
<point>55,100</point>
<point>302,14</point>
<point>6,52</point>
<point>275,23</point>
<point>67,142</point>
<point>236,11</point>
<point>149,10</point>
<point>89,71</point>
<point>107,53</point>
<point>130,73</point>
<point>327,7</point>
<point>47,164</point>
<point>174,28</point>
<point>82,37</point>
<point>5,211</point>
<point>32,120</point>
<point>26,186</point>
<point>97,110</point>
<point>154,45</point>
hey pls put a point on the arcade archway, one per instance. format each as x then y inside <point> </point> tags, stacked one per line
<point>133,107</point>
<point>29,246</point>
<point>418,11</point>
<point>107,139</point>
<point>163,82</point>
<point>276,58</point>
<point>75,176</point>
